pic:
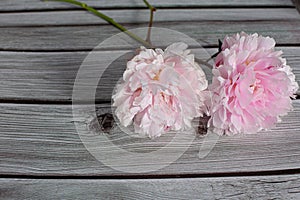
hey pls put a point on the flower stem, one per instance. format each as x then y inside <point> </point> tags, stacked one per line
<point>149,5</point>
<point>152,10</point>
<point>220,43</point>
<point>146,42</point>
<point>109,20</point>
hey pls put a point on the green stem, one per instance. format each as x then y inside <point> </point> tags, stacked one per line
<point>109,20</point>
<point>120,27</point>
<point>152,10</point>
<point>149,5</point>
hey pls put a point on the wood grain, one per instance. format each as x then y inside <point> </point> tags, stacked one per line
<point>87,37</point>
<point>55,18</point>
<point>25,5</point>
<point>259,187</point>
<point>50,76</point>
<point>42,140</point>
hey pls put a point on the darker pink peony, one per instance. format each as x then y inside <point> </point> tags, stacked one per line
<point>161,91</point>
<point>252,85</point>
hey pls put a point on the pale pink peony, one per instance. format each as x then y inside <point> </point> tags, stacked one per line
<point>251,87</point>
<point>161,91</point>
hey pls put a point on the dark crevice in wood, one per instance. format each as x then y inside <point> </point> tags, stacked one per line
<point>49,102</point>
<point>142,24</point>
<point>164,24</point>
<point>63,102</point>
<point>53,50</point>
<point>288,45</point>
<point>35,101</point>
<point>169,176</point>
<point>116,49</point>
<point>158,7</point>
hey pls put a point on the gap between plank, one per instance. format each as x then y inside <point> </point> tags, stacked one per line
<point>63,102</point>
<point>158,7</point>
<point>168,176</point>
<point>113,49</point>
<point>142,24</point>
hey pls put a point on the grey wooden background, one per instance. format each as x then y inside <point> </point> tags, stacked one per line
<point>42,45</point>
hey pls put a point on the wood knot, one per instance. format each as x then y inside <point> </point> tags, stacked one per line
<point>202,127</point>
<point>106,122</point>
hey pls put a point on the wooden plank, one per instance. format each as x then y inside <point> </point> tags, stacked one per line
<point>42,140</point>
<point>24,5</point>
<point>55,18</point>
<point>50,76</point>
<point>88,37</point>
<point>258,187</point>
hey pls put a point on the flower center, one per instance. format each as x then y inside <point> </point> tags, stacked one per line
<point>253,88</point>
<point>156,77</point>
<point>249,61</point>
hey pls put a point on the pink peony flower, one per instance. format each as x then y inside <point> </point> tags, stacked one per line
<point>251,87</point>
<point>162,91</point>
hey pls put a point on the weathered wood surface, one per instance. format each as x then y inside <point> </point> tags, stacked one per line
<point>261,187</point>
<point>77,38</point>
<point>50,76</point>
<point>42,140</point>
<point>142,16</point>
<point>28,5</point>
<point>42,47</point>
